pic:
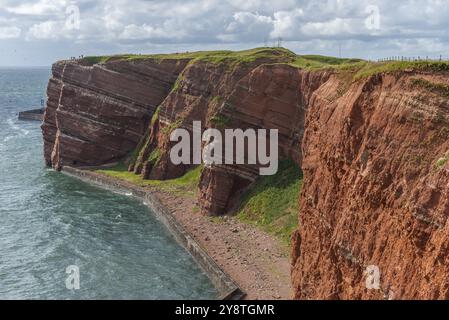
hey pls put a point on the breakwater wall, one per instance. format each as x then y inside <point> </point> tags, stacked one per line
<point>32,115</point>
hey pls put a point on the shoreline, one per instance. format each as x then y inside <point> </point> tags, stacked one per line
<point>242,261</point>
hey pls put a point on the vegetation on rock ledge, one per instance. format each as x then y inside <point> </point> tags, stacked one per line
<point>443,161</point>
<point>185,185</point>
<point>437,88</point>
<point>273,202</point>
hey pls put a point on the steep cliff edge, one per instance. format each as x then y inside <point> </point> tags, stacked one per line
<point>371,140</point>
<point>238,91</point>
<point>96,114</point>
<point>376,190</point>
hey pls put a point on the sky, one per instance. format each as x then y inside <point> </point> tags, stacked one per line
<point>40,32</point>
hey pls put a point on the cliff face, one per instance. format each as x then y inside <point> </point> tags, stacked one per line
<point>97,114</point>
<point>247,95</point>
<point>374,194</point>
<point>269,97</point>
<point>373,153</point>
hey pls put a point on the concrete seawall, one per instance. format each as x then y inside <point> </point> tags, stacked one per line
<point>227,287</point>
<point>32,115</point>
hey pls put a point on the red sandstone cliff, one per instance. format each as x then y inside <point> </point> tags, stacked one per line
<point>373,194</point>
<point>97,114</point>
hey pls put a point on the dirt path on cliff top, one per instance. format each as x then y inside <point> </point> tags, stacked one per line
<point>253,258</point>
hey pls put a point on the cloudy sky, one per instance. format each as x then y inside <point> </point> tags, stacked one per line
<point>38,32</point>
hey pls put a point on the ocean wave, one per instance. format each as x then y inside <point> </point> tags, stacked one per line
<point>15,127</point>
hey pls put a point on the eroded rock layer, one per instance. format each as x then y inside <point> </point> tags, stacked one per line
<point>375,203</point>
<point>256,95</point>
<point>97,114</point>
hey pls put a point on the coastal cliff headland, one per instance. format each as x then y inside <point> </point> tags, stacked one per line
<point>364,148</point>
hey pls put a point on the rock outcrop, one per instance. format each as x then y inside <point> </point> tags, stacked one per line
<point>374,153</point>
<point>96,114</point>
<point>255,95</point>
<point>375,198</point>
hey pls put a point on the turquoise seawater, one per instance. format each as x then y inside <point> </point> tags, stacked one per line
<point>49,221</point>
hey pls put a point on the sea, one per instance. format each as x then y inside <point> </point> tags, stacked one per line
<point>61,238</point>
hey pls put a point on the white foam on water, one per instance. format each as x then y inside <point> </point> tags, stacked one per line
<point>12,125</point>
<point>15,127</point>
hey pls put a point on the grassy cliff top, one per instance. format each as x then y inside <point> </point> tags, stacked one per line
<point>211,56</point>
<point>360,68</point>
<point>280,55</point>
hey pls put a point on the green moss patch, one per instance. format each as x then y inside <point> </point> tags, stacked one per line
<point>273,202</point>
<point>317,62</point>
<point>220,120</point>
<point>154,157</point>
<point>370,69</point>
<point>185,185</point>
<point>438,88</point>
<point>166,131</point>
<point>443,161</point>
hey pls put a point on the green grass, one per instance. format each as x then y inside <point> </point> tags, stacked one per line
<point>370,69</point>
<point>137,152</point>
<point>249,56</point>
<point>177,83</point>
<point>233,58</point>
<point>443,161</point>
<point>273,203</point>
<point>360,68</point>
<point>185,185</point>
<point>155,116</point>
<point>96,59</point>
<point>209,56</point>
<point>438,88</point>
<point>317,62</point>
<point>154,157</point>
<point>331,60</point>
<point>220,120</point>
<point>217,100</point>
<point>166,131</point>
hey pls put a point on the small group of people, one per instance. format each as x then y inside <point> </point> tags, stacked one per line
<point>75,58</point>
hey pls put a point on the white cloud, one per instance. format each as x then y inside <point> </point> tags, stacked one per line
<point>209,21</point>
<point>287,23</point>
<point>248,26</point>
<point>336,27</point>
<point>54,30</point>
<point>134,32</point>
<point>41,7</point>
<point>135,24</point>
<point>263,6</point>
<point>9,32</point>
<point>46,30</point>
